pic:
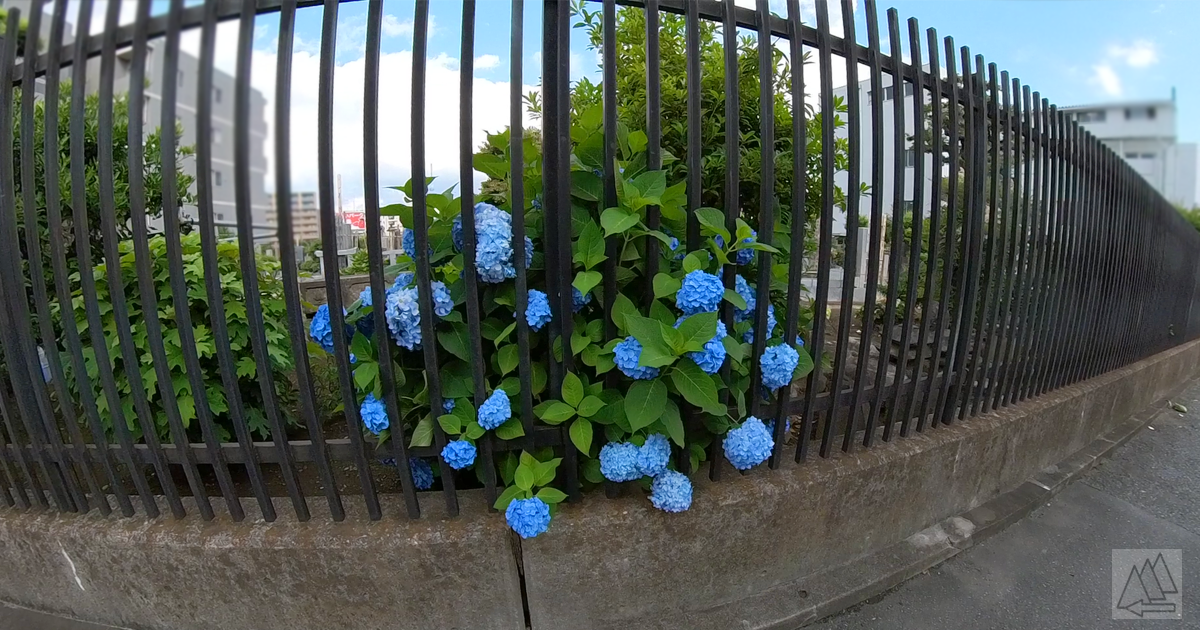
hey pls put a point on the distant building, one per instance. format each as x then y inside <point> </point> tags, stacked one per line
<point>1143,134</point>
<point>306,220</point>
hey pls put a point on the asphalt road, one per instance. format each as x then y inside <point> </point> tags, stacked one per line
<point>1054,569</point>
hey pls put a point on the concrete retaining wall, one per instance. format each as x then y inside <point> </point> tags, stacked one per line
<point>737,559</point>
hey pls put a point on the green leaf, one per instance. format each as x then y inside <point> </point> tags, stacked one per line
<point>525,477</point>
<point>510,430</point>
<point>735,299</point>
<point>537,380</point>
<point>696,387</point>
<point>591,471</point>
<point>507,358</point>
<point>665,285</point>
<point>673,422</point>
<point>617,221</point>
<point>545,471</point>
<point>360,346</point>
<point>579,341</point>
<point>589,406</point>
<point>714,220</point>
<point>246,367</point>
<point>644,403</point>
<point>698,330</point>
<point>622,309</point>
<point>695,261</point>
<point>581,434</point>
<point>637,141</point>
<point>589,250</point>
<point>550,496</point>
<point>736,351</point>
<point>572,389</point>
<point>656,352</point>
<point>804,365</point>
<point>507,497</point>
<point>474,431</point>
<point>585,281</point>
<point>556,412</point>
<point>404,211</point>
<point>652,185</point>
<point>423,433</point>
<point>364,375</point>
<point>456,341</point>
<point>451,423</point>
<point>762,247</point>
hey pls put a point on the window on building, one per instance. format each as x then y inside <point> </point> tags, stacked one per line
<point>1148,156</point>
<point>220,217</point>
<point>179,78</point>
<point>910,158</point>
<point>216,178</point>
<point>907,206</point>
<point>1095,115</point>
<point>888,93</point>
<point>217,95</point>
<point>1139,113</point>
<point>1131,156</point>
<point>216,136</point>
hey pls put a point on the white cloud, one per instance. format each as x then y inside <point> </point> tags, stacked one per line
<point>1140,54</point>
<point>395,27</point>
<point>1106,78</point>
<point>484,62</point>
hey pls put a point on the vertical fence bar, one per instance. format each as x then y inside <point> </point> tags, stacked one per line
<point>1043,236</point>
<point>11,480</point>
<point>147,292</point>
<point>552,180</point>
<point>1062,250</point>
<point>798,215</point>
<point>985,341</point>
<point>420,232</point>
<point>209,254</point>
<point>1049,272</point>
<point>287,258</point>
<point>516,153</point>
<point>1068,359</point>
<point>935,228</point>
<point>466,178</point>
<point>87,280</point>
<point>874,250</point>
<point>1019,245</point>
<point>18,367</point>
<point>563,234</point>
<point>612,244</point>
<point>850,258</point>
<point>6,411</point>
<point>977,307</point>
<point>245,221</point>
<point>952,206</point>
<point>915,248</point>
<point>653,136</point>
<point>894,257</point>
<point>694,148</point>
<point>181,299</point>
<point>62,286</point>
<point>732,195</point>
<point>1033,130</point>
<point>766,200</point>
<point>33,244</point>
<point>817,342</point>
<point>1008,225</point>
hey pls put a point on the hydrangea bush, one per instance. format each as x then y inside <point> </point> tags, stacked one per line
<point>624,403</point>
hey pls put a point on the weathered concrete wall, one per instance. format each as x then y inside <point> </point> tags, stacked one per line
<point>312,290</point>
<point>737,559</point>
<point>431,573</point>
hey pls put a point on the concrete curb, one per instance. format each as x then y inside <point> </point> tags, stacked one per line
<point>853,583</point>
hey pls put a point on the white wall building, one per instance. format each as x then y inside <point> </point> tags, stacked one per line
<point>1143,134</point>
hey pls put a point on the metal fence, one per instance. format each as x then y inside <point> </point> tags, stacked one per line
<point>1035,259</point>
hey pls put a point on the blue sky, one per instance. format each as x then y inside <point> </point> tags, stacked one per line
<point>1073,51</point>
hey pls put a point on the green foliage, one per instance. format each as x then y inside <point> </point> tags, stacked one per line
<point>1192,215</point>
<point>234,299</point>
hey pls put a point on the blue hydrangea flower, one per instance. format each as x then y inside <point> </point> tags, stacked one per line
<point>619,461</point>
<point>493,243</point>
<point>536,203</point>
<point>408,242</point>
<point>320,331</point>
<point>422,473</point>
<point>495,411</point>
<point>373,414</point>
<point>749,336</point>
<point>528,517</point>
<point>459,454</point>
<point>743,289</point>
<point>404,318</point>
<point>671,492</point>
<point>713,355</point>
<point>448,405</point>
<point>627,354</point>
<point>403,280</point>
<point>719,240</point>
<point>701,293</point>
<point>748,445</point>
<point>365,297</point>
<point>579,300</point>
<point>778,363</point>
<point>442,302</point>
<point>787,427</point>
<point>537,309</point>
<point>746,256</point>
<point>653,455</point>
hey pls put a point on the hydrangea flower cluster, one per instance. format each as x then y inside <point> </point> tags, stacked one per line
<point>579,300</point>
<point>743,289</point>
<point>528,517</point>
<point>448,405</point>
<point>374,414</point>
<point>320,330</point>
<point>495,411</point>
<point>701,292</point>
<point>404,317</point>
<point>748,337</point>
<point>459,454</point>
<point>713,355</point>
<point>778,363</point>
<point>671,492</point>
<point>748,445</point>
<point>493,243</point>
<point>746,256</point>
<point>537,309</point>
<point>787,426</point>
<point>627,354</point>
<point>619,461</point>
<point>653,455</point>
<point>422,473</point>
<point>408,242</point>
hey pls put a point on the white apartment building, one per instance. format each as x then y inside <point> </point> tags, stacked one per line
<point>1143,134</point>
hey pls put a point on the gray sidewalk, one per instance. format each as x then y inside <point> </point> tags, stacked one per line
<point>1053,569</point>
